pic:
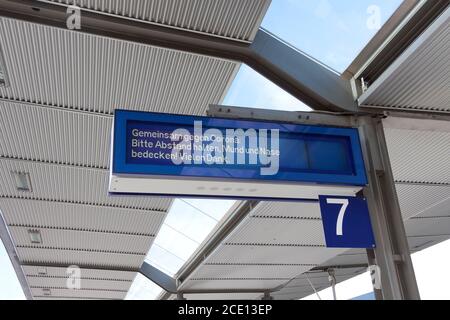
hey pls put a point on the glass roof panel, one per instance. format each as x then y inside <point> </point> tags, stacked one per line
<point>332,31</point>
<point>143,289</point>
<point>252,90</point>
<point>186,226</point>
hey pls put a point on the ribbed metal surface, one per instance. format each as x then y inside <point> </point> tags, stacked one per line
<point>55,124</point>
<point>96,274</point>
<point>272,254</point>
<point>236,19</point>
<point>83,240</point>
<point>224,284</point>
<point>420,78</point>
<point>276,231</point>
<point>54,135</point>
<point>347,259</point>
<point>419,155</point>
<point>70,184</point>
<point>423,200</point>
<point>223,296</point>
<point>40,282</point>
<point>428,226</point>
<point>250,271</point>
<point>75,293</point>
<point>80,71</point>
<point>418,243</point>
<point>39,256</point>
<point>287,210</point>
<point>39,214</point>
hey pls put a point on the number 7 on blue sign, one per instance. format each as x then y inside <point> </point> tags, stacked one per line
<point>346,222</point>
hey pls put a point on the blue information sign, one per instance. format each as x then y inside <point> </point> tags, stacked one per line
<point>179,146</point>
<point>346,222</point>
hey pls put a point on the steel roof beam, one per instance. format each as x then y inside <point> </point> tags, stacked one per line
<point>303,77</point>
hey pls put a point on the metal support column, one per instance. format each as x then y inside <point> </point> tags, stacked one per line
<point>267,296</point>
<point>372,262</point>
<point>392,253</point>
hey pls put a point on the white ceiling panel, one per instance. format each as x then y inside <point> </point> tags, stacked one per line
<point>41,256</point>
<point>54,135</point>
<point>230,284</point>
<point>429,200</point>
<point>78,293</point>
<point>417,243</point>
<point>437,226</point>
<point>70,184</point>
<point>294,210</point>
<point>347,259</point>
<point>275,231</point>
<point>46,282</point>
<point>420,78</point>
<point>223,296</point>
<point>234,19</point>
<point>237,254</point>
<point>94,274</point>
<point>83,240</point>
<point>250,271</point>
<point>37,214</point>
<point>419,155</point>
<point>101,74</point>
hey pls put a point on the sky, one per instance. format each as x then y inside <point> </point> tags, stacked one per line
<point>332,31</point>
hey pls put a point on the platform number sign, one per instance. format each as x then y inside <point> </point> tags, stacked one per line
<point>346,222</point>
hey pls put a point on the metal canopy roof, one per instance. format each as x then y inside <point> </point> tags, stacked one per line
<point>233,19</point>
<point>56,117</point>
<point>419,78</point>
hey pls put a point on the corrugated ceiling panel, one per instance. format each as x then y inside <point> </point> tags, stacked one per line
<point>54,135</point>
<point>428,226</point>
<point>418,243</point>
<point>418,155</point>
<point>249,271</point>
<point>236,19</point>
<point>38,256</point>
<point>70,184</point>
<point>42,282</point>
<point>279,231</point>
<point>422,199</point>
<point>420,78</point>
<point>271,254</point>
<point>347,259</point>
<point>32,213</point>
<point>83,240</point>
<point>294,210</point>
<point>75,293</point>
<point>224,284</point>
<point>223,296</point>
<point>79,71</point>
<point>95,274</point>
